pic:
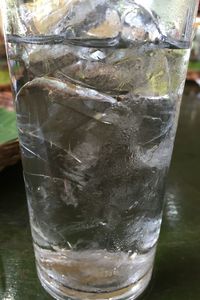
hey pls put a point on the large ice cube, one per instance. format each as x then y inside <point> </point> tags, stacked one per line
<point>138,23</point>
<point>107,74</point>
<point>89,19</point>
<point>54,114</point>
<point>44,60</point>
<point>41,15</point>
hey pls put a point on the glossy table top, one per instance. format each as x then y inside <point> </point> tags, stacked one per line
<point>177,267</point>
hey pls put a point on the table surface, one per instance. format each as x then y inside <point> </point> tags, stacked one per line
<point>177,267</point>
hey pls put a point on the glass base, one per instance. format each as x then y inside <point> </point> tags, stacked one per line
<point>61,292</point>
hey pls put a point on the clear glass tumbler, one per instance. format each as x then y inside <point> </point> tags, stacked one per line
<point>98,86</point>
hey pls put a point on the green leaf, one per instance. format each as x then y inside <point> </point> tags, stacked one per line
<point>194,66</point>
<point>4,77</point>
<point>8,130</point>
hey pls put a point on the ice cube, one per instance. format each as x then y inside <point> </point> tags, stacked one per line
<point>100,75</point>
<point>44,60</point>
<point>41,15</point>
<point>139,24</point>
<point>80,17</point>
<point>109,28</point>
<point>53,113</point>
<point>157,130</point>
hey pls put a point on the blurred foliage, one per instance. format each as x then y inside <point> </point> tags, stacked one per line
<point>194,66</point>
<point>4,77</point>
<point>8,129</point>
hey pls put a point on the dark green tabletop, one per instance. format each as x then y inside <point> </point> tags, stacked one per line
<point>177,268</point>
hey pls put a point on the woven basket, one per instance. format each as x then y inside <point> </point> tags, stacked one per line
<point>9,151</point>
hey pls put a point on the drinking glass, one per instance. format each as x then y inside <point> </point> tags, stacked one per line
<point>97,86</point>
